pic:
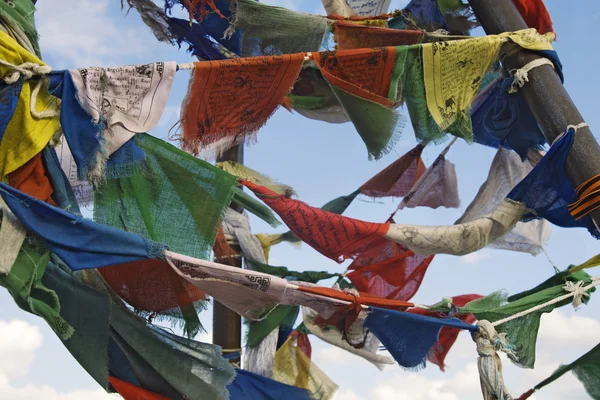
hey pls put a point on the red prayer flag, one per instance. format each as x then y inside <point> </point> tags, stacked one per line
<point>332,235</point>
<point>535,14</point>
<point>132,392</point>
<point>353,36</point>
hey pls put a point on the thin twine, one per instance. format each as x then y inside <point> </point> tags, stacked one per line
<point>569,127</point>
<point>596,282</point>
<point>521,75</point>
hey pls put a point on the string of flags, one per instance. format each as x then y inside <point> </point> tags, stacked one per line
<point>71,138</point>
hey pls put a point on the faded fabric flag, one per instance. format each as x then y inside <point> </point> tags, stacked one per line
<point>348,8</point>
<point>398,178</point>
<point>407,336</point>
<point>437,186</point>
<point>389,270</point>
<point>294,368</point>
<point>352,36</point>
<point>230,100</point>
<point>506,171</point>
<point>332,235</point>
<point>366,84</point>
<point>26,134</point>
<point>268,31</point>
<point>548,191</point>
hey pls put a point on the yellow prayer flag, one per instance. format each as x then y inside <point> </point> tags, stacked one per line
<point>592,262</point>
<point>25,135</point>
<point>292,367</point>
<point>453,70</point>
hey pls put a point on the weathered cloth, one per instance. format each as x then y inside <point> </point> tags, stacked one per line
<point>398,178</point>
<point>389,270</point>
<point>201,44</point>
<point>586,368</point>
<point>547,190</point>
<point>522,332</point>
<point>32,178</point>
<point>332,235</point>
<point>82,189</point>
<point>505,119</point>
<point>462,238</point>
<point>12,235</point>
<point>366,84</point>
<point>268,31</point>
<point>21,12</point>
<point>25,135</point>
<point>506,172</point>
<point>230,100</point>
<point>292,367</point>
<point>9,98</point>
<point>348,8</point>
<point>437,186</point>
<point>407,336</point>
<point>157,184</point>
<point>249,386</point>
<point>352,36</point>
<point>243,172</point>
<point>121,101</point>
<point>24,283</point>
<point>80,243</point>
<point>129,391</point>
<point>333,336</point>
<point>453,70</point>
<point>448,335</point>
<point>535,14</point>
<point>114,341</point>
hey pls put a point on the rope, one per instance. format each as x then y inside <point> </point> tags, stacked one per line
<point>576,293</point>
<point>522,75</point>
<point>28,70</point>
<point>574,127</point>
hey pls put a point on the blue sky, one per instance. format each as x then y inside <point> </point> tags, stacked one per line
<point>322,161</point>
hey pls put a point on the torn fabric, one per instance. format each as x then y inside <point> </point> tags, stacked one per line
<point>332,235</point>
<point>506,172</point>
<point>334,337</point>
<point>389,270</point>
<point>230,100</point>
<point>409,337</point>
<point>547,190</point>
<point>458,239</point>
<point>80,243</point>
<point>249,386</point>
<point>243,172</point>
<point>348,8</point>
<point>21,12</point>
<point>398,178</point>
<point>292,367</point>
<point>268,31</point>
<point>437,186</point>
<point>25,135</point>
<point>365,82</point>
<point>352,36</point>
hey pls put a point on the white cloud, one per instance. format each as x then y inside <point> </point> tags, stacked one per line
<point>19,341</point>
<point>335,355</point>
<point>81,33</point>
<point>346,394</point>
<point>559,328</point>
<point>474,258</point>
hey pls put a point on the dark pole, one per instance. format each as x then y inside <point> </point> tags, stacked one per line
<point>550,103</point>
<point>227,325</point>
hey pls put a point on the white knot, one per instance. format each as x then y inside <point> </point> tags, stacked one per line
<point>578,292</point>
<point>569,127</point>
<point>27,70</point>
<point>521,75</point>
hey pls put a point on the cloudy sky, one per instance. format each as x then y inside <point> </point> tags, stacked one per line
<point>321,162</point>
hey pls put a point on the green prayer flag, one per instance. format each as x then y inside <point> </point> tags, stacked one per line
<point>21,12</point>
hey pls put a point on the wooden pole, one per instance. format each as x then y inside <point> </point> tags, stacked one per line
<point>549,101</point>
<point>227,325</point>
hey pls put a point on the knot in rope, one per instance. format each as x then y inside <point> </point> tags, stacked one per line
<point>521,75</point>
<point>27,70</point>
<point>569,127</point>
<point>578,292</point>
<point>489,342</point>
